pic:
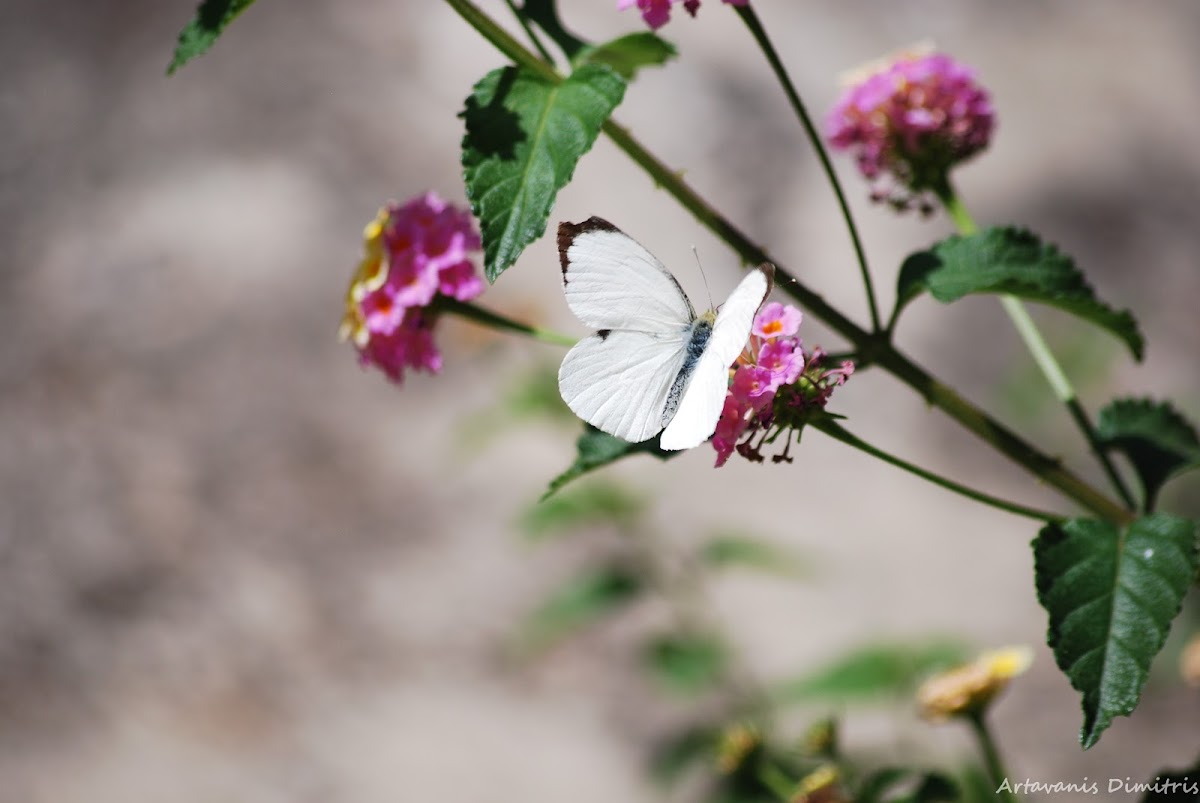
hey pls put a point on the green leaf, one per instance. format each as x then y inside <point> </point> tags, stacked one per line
<point>1013,261</point>
<point>901,785</point>
<point>752,553</point>
<point>535,395</point>
<point>593,503</point>
<point>872,672</point>
<point>686,663</point>
<point>210,21</point>
<point>1159,442</point>
<point>584,599</point>
<point>630,53</point>
<point>595,449</point>
<point>528,396</point>
<point>524,135</point>
<point>1173,786</point>
<point>1111,597</point>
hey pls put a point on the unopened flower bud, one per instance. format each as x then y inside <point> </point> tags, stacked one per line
<point>737,742</point>
<point>968,690</point>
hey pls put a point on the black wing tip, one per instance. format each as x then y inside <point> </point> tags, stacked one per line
<point>768,270</point>
<point>567,232</point>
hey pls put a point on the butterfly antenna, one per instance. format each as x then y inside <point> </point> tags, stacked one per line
<point>708,292</point>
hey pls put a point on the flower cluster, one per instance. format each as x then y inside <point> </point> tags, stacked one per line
<point>412,253</point>
<point>914,118</point>
<point>775,386</point>
<point>657,13</point>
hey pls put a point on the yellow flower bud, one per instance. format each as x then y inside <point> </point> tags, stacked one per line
<point>969,689</point>
<point>820,786</point>
<point>1189,662</point>
<point>736,743</point>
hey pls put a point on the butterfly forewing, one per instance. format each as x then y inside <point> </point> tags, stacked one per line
<point>704,394</point>
<point>612,282</point>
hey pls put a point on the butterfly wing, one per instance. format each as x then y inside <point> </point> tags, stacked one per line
<point>619,378</point>
<point>612,282</point>
<point>704,393</point>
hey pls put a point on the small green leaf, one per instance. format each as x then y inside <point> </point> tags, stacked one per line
<point>975,784</point>
<point>212,17</point>
<point>1012,261</point>
<point>536,396</point>
<point>900,785</point>
<point>584,599</point>
<point>1173,786</point>
<point>593,503</point>
<point>872,672</point>
<point>524,135</point>
<point>686,663</point>
<point>595,449</point>
<point>630,53</point>
<point>1159,442</point>
<point>1111,597</point>
<point>752,553</point>
<point>681,751</point>
<point>528,396</point>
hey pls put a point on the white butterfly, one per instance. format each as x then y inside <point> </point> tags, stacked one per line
<point>651,363</point>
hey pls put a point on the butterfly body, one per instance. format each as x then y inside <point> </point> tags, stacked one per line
<point>652,365</point>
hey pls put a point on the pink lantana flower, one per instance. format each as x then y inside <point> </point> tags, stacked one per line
<point>411,254</point>
<point>775,387</point>
<point>657,13</point>
<point>911,119</point>
<point>776,319</point>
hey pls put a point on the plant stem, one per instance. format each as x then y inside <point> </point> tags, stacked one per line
<point>495,320</point>
<point>872,348</point>
<point>991,756</point>
<point>835,431</point>
<point>759,33</point>
<point>537,43</point>
<point>1040,351</point>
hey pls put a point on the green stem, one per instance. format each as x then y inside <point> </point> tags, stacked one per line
<point>991,756</point>
<point>871,347</point>
<point>495,320</point>
<point>835,431</point>
<point>778,781</point>
<point>537,43</point>
<point>1040,351</point>
<point>760,36</point>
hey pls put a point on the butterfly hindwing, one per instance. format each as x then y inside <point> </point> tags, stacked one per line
<point>618,380</point>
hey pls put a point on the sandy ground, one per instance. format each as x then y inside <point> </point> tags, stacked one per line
<point>233,566</point>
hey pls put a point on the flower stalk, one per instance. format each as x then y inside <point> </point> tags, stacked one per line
<point>533,37</point>
<point>494,320</point>
<point>991,756</point>
<point>1039,349</point>
<point>838,433</point>
<point>760,36</point>
<point>871,348</point>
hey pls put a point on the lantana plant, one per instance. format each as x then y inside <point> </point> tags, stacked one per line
<point>1110,569</point>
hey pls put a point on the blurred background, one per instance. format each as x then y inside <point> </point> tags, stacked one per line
<point>235,566</point>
